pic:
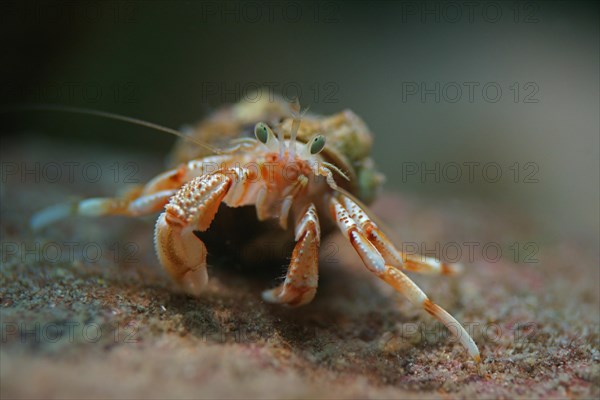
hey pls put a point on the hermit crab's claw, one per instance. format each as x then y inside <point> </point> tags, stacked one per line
<point>193,208</point>
<point>381,257</point>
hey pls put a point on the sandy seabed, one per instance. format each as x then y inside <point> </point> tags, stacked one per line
<point>77,324</point>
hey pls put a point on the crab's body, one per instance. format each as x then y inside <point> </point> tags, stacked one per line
<point>349,140</point>
<point>291,179</point>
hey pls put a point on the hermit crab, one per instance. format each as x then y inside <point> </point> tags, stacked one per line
<point>304,172</point>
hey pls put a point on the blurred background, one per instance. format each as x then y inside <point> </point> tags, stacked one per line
<point>495,102</point>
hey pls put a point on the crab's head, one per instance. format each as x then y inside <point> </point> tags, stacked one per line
<point>296,159</point>
<point>343,141</point>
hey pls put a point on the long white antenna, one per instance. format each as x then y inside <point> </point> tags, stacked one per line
<point>109,115</point>
<point>295,126</point>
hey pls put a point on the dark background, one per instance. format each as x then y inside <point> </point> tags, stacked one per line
<point>173,62</point>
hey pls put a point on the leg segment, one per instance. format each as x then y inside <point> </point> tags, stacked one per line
<point>409,262</point>
<point>175,178</point>
<point>300,285</point>
<point>380,258</point>
<point>140,200</point>
<point>132,204</point>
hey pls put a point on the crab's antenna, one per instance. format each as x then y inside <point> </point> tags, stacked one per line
<point>295,126</point>
<point>297,114</point>
<point>109,115</point>
<point>280,139</point>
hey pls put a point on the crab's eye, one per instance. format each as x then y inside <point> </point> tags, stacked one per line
<point>317,144</point>
<point>261,131</point>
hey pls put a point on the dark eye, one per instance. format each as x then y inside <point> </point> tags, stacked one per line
<point>317,144</point>
<point>261,131</point>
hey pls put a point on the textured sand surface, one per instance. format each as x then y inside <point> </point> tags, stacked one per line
<point>80,325</point>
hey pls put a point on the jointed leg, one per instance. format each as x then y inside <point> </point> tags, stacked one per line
<point>139,200</point>
<point>176,178</point>
<point>374,249</point>
<point>130,205</point>
<point>300,285</point>
<point>409,262</point>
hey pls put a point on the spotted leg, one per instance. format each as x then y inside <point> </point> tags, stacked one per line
<point>175,178</point>
<point>193,208</point>
<point>131,204</point>
<point>139,200</point>
<point>300,284</point>
<point>409,262</point>
<point>353,223</point>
